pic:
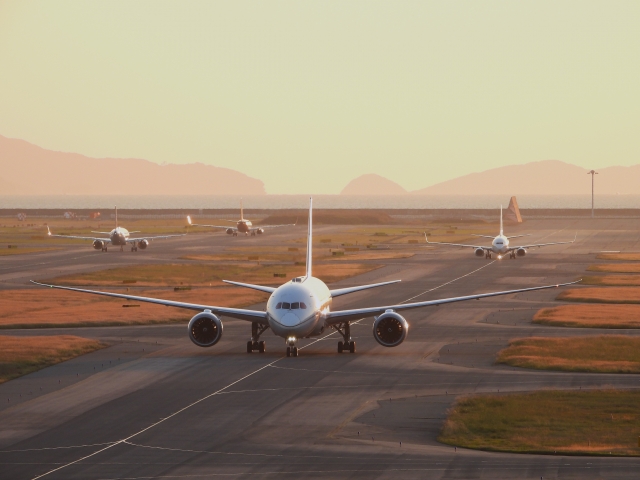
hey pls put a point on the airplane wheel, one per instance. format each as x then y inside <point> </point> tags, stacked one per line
<point>288,351</point>
<point>105,249</point>
<point>340,346</point>
<point>352,347</point>
<point>249,346</point>
<point>262,347</point>
<point>294,351</point>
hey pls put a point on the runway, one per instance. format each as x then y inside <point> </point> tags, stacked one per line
<point>153,405</point>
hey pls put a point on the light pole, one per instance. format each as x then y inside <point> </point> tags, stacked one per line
<point>593,173</point>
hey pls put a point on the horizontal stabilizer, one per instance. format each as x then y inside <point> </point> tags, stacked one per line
<point>344,291</point>
<point>250,285</point>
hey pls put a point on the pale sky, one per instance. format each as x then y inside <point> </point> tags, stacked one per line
<point>307,95</point>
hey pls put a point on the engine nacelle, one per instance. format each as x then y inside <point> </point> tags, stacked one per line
<point>479,252</point>
<point>229,231</point>
<point>521,252</point>
<point>98,244</point>
<point>390,329</point>
<point>259,231</point>
<point>142,244</point>
<point>205,329</point>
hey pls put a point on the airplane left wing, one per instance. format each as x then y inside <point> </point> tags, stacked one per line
<point>273,226</point>
<point>155,238</point>
<point>333,318</point>
<point>239,313</point>
<point>191,224</point>
<point>543,244</point>
<point>454,244</point>
<point>77,237</point>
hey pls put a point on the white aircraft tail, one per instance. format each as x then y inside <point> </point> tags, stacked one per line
<point>310,240</point>
<point>241,211</point>
<point>501,229</point>
<point>116,207</point>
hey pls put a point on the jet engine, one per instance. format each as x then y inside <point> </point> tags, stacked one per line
<point>521,252</point>
<point>229,231</point>
<point>259,231</point>
<point>205,329</point>
<point>98,244</point>
<point>390,329</point>
<point>479,252</point>
<point>142,244</point>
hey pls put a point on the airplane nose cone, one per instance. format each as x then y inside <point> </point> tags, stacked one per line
<point>289,320</point>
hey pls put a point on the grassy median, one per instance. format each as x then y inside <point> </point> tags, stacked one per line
<point>628,280</point>
<point>601,295</point>
<point>615,267</point>
<point>590,316</point>
<point>22,355</point>
<point>604,422</point>
<point>601,354</point>
<point>626,256</point>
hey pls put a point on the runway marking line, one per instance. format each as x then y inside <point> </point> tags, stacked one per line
<point>125,440</point>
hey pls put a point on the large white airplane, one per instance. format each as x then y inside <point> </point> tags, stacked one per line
<point>118,237</point>
<point>500,245</point>
<point>242,226</point>
<point>301,308</point>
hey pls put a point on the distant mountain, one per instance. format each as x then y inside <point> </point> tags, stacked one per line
<point>547,177</point>
<point>29,169</point>
<point>372,184</point>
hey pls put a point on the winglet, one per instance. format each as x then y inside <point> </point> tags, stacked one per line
<point>48,232</point>
<point>425,237</point>
<point>189,219</point>
<point>309,240</point>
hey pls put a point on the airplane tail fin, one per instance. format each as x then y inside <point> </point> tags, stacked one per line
<point>116,207</point>
<point>501,229</point>
<point>241,211</point>
<point>309,240</point>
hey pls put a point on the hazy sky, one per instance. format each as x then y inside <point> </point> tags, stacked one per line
<point>308,95</point>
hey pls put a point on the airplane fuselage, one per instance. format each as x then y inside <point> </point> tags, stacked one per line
<point>500,244</point>
<point>244,226</point>
<point>297,308</point>
<point>119,236</point>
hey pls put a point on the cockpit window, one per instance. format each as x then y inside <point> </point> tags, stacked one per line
<point>303,305</point>
<point>295,305</point>
<point>279,305</point>
<point>286,305</point>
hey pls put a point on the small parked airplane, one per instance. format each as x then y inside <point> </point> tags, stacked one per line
<point>301,308</point>
<point>118,237</point>
<point>500,245</point>
<point>242,226</point>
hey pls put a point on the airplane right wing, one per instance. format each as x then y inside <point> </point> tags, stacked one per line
<point>455,244</point>
<point>239,313</point>
<point>76,237</point>
<point>209,226</point>
<point>544,244</point>
<point>273,226</point>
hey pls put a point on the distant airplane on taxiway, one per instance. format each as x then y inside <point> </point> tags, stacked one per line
<point>301,308</point>
<point>500,245</point>
<point>118,237</point>
<point>242,226</point>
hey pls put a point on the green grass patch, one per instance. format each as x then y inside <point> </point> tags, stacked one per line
<point>603,422</point>
<point>601,354</point>
<point>590,316</point>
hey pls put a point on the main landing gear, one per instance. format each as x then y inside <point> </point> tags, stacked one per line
<point>255,344</point>
<point>345,345</point>
<point>487,255</point>
<point>104,249</point>
<point>512,255</point>
<point>134,249</point>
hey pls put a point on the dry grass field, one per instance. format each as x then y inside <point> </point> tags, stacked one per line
<point>626,256</point>
<point>601,354</point>
<point>24,250</point>
<point>613,280</point>
<point>210,274</point>
<point>590,316</point>
<point>615,268</point>
<point>40,307</point>
<point>601,295</point>
<point>603,422</point>
<point>22,355</point>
